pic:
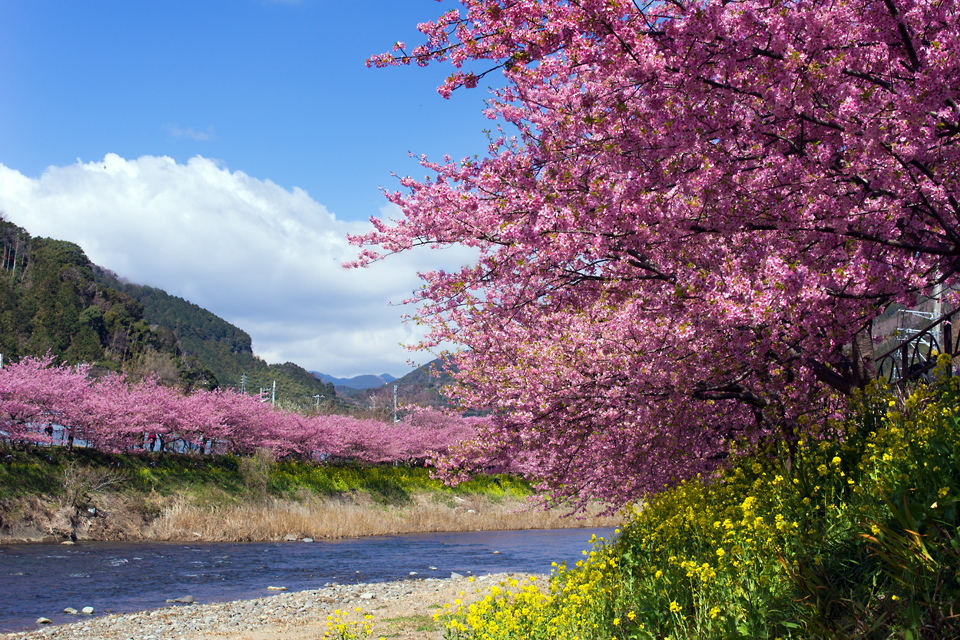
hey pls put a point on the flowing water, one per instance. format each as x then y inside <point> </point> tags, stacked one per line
<point>41,580</point>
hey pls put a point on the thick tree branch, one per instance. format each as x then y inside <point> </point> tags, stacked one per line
<point>905,37</point>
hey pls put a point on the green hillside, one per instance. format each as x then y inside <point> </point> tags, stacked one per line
<point>53,299</point>
<point>50,301</point>
<point>223,348</point>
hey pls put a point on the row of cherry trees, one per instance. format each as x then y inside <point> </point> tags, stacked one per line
<point>48,403</point>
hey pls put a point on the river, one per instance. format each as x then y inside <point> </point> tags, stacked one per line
<point>42,579</point>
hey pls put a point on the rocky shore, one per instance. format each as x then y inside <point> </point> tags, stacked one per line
<point>402,610</point>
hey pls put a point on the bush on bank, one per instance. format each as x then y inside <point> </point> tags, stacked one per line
<point>855,538</point>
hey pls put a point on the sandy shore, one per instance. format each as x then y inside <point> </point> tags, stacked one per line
<point>401,610</point>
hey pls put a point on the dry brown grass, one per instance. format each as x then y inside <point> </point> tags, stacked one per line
<point>329,518</point>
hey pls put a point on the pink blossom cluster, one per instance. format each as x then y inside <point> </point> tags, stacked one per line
<point>46,403</point>
<point>690,209</point>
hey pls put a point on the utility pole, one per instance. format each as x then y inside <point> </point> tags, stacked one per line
<point>395,404</point>
<point>273,395</point>
<point>243,383</point>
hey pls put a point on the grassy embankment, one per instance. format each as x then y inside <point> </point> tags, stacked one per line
<point>50,493</point>
<point>855,538</point>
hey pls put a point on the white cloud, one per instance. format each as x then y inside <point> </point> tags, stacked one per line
<point>177,131</point>
<point>266,258</point>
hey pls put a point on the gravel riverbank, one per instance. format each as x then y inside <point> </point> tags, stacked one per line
<point>402,610</point>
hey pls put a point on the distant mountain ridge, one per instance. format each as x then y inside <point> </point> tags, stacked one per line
<point>422,387</point>
<point>366,381</point>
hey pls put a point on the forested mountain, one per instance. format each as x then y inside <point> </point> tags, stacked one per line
<point>52,298</point>
<point>222,347</point>
<point>49,301</point>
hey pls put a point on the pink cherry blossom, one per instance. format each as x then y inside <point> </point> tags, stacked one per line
<point>688,213</point>
<point>41,402</point>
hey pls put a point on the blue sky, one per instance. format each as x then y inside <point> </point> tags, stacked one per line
<point>220,149</point>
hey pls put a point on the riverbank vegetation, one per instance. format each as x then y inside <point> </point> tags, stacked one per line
<point>853,534</point>
<point>106,458</point>
<point>55,493</point>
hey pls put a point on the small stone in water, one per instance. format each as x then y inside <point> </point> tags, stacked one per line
<point>182,600</point>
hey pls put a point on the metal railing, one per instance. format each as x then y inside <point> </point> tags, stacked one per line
<point>917,355</point>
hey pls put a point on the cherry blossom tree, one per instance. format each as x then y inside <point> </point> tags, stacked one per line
<point>429,432</point>
<point>688,219</point>
<point>39,399</point>
<point>118,414</point>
